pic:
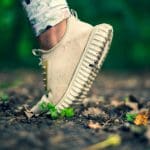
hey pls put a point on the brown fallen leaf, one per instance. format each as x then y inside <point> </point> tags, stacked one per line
<point>142,118</point>
<point>93,125</point>
<point>27,112</point>
<point>116,103</point>
<point>93,111</point>
<point>93,99</point>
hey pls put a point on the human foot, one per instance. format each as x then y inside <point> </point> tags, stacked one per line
<point>52,36</point>
<point>70,67</point>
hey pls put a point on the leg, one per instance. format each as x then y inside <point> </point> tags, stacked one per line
<point>48,28</point>
<point>52,36</point>
<point>77,53</point>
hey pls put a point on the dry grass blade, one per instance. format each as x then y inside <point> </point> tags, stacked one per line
<point>113,140</point>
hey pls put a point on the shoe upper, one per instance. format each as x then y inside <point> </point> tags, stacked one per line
<point>61,61</point>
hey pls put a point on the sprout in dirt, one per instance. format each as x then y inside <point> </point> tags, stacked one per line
<point>53,112</point>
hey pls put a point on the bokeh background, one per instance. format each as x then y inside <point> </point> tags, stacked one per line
<point>130,19</point>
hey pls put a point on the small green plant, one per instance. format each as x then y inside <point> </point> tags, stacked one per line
<point>43,106</point>
<point>67,112</point>
<point>50,108</point>
<point>130,117</point>
<point>52,111</point>
<point>4,97</point>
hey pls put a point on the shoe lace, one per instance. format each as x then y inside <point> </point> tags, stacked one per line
<point>74,13</point>
<point>43,65</point>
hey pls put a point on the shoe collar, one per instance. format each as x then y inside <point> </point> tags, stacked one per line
<point>40,52</point>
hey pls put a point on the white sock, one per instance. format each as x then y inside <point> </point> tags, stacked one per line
<point>45,13</point>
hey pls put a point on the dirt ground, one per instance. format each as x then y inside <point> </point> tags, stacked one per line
<point>103,110</point>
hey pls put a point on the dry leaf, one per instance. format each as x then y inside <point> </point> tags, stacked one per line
<point>141,119</point>
<point>93,125</point>
<point>116,103</point>
<point>92,111</point>
<point>94,99</point>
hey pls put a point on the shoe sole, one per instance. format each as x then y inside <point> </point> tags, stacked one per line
<point>91,61</point>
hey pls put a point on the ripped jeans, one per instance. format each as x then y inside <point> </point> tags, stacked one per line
<point>44,14</point>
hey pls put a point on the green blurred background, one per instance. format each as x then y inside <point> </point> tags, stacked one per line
<point>130,19</point>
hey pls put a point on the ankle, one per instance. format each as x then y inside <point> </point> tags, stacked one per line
<point>52,36</point>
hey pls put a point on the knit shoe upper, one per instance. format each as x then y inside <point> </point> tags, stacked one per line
<point>70,67</point>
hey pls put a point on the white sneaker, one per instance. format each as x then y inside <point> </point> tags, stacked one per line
<point>70,67</point>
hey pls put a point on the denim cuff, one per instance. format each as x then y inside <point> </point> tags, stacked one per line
<point>44,14</point>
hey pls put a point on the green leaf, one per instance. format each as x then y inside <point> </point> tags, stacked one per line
<point>62,113</point>
<point>54,114</point>
<point>4,97</point>
<point>51,107</point>
<point>43,106</point>
<point>130,117</point>
<point>67,112</point>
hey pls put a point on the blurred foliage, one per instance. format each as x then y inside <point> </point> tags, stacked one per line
<point>130,19</point>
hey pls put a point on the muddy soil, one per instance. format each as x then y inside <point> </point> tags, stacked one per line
<point>102,107</point>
